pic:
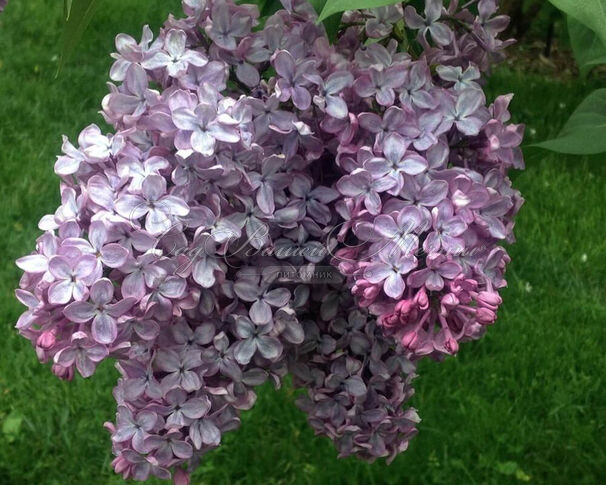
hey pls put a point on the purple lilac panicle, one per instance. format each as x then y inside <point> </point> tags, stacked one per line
<point>245,151</point>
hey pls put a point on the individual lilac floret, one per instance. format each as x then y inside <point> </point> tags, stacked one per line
<point>440,33</point>
<point>100,311</point>
<point>294,79</point>
<point>175,57</point>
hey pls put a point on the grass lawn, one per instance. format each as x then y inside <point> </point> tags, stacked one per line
<point>527,404</point>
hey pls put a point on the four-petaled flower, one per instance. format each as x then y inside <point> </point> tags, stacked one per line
<point>293,80</point>
<point>83,352</point>
<point>72,276</point>
<point>390,270</point>
<point>175,57</point>
<point>432,277</point>
<point>203,127</point>
<point>160,209</point>
<point>440,32</point>
<point>255,339</point>
<point>103,313</point>
<point>362,184</point>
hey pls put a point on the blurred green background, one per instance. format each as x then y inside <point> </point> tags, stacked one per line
<point>527,404</point>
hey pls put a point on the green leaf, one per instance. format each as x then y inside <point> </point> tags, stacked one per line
<point>331,24</point>
<point>269,7</point>
<point>588,49</point>
<point>318,5</point>
<point>337,6</point>
<point>78,15</point>
<point>67,7</point>
<point>507,468</point>
<point>591,13</point>
<point>11,426</point>
<point>585,131</point>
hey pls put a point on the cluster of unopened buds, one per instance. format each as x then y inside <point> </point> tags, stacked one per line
<point>272,204</point>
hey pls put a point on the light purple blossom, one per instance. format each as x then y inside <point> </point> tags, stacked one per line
<point>400,229</point>
<point>263,299</point>
<point>380,84</point>
<point>271,203</point>
<point>439,31</point>
<point>72,276</point>
<point>438,269</point>
<point>361,184</point>
<point>203,127</point>
<point>465,113</point>
<point>396,161</point>
<point>447,229</point>
<point>389,271</point>
<point>135,428</point>
<point>328,98</point>
<point>255,339</point>
<point>179,369</point>
<point>159,209</point>
<point>381,21</point>
<point>228,25</point>
<point>129,53</point>
<point>103,314</point>
<point>293,80</point>
<point>82,352</point>
<point>175,57</point>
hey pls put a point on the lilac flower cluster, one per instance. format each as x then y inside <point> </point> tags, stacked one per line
<point>246,150</point>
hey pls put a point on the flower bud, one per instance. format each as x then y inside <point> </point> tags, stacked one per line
<point>404,307</point>
<point>449,301</point>
<point>421,299</point>
<point>46,339</point>
<point>181,477</point>
<point>389,321</point>
<point>65,373</point>
<point>485,316</point>
<point>410,340</point>
<point>490,299</point>
<point>371,292</point>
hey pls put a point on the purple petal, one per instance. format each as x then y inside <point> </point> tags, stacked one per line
<point>79,311</point>
<point>196,408</point>
<point>34,263</point>
<point>269,347</point>
<point>102,291</point>
<point>113,255</point>
<point>277,297</point>
<point>244,350</point>
<point>377,272</point>
<point>394,286</point>
<point>121,307</point>
<point>104,329</point>
<point>60,292</point>
<point>260,312</point>
<point>131,207</point>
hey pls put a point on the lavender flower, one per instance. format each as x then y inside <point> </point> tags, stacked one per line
<point>440,32</point>
<point>175,58</point>
<point>249,158</point>
<point>293,79</point>
<point>158,208</point>
<point>103,314</point>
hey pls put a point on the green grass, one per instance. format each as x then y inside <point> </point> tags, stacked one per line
<point>526,404</point>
